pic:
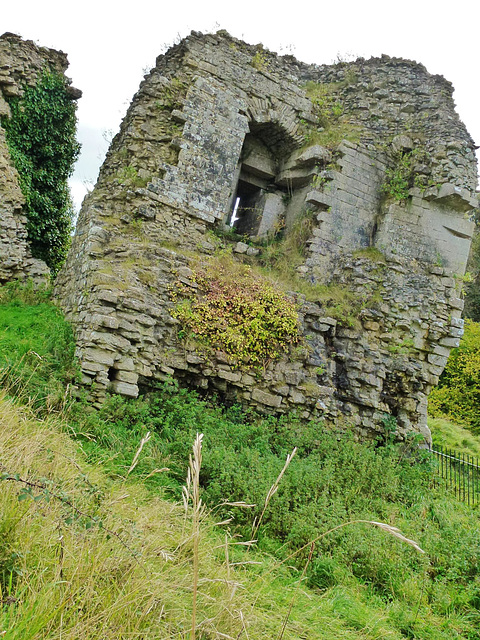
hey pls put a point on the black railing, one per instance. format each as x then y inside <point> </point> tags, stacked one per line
<point>459,472</point>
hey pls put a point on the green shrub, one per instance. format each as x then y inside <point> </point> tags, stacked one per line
<point>457,395</point>
<point>41,139</point>
<point>375,586</point>
<point>241,313</point>
<point>472,288</point>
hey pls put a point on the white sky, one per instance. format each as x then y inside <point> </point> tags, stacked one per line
<point>110,45</point>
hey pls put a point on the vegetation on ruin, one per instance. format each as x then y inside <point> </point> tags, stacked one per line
<point>372,253</point>
<point>41,139</point>
<point>259,61</point>
<point>238,312</point>
<point>172,95</point>
<point>285,250</point>
<point>283,254</point>
<point>95,540</point>
<point>280,256</point>
<point>331,126</point>
<point>327,108</point>
<point>403,175</point>
<point>129,177</point>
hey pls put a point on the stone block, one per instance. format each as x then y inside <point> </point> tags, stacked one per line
<point>437,360</point>
<point>92,367</point>
<point>98,356</point>
<point>457,322</point>
<point>441,350</point>
<point>192,358</point>
<point>124,388</point>
<point>370,325</point>
<point>296,397</point>
<point>294,377</point>
<point>450,342</point>
<point>266,398</point>
<point>283,390</point>
<point>319,199</point>
<point>109,322</point>
<point>457,198</point>
<point>127,376</point>
<point>240,247</point>
<point>107,296</point>
<point>456,303</point>
<point>231,376</point>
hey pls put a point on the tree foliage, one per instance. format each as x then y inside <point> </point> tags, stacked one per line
<point>472,289</point>
<point>41,139</point>
<point>458,393</point>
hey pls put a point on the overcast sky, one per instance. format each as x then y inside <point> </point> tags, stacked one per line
<point>111,45</point>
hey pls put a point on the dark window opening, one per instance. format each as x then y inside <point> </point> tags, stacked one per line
<point>248,208</point>
<point>112,374</point>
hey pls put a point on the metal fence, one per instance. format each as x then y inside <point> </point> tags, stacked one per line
<point>460,472</point>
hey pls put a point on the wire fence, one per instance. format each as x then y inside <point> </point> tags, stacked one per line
<point>459,472</point>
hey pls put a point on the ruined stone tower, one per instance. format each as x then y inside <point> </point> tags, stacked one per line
<point>221,133</point>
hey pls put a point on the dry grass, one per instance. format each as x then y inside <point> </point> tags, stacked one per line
<point>79,582</point>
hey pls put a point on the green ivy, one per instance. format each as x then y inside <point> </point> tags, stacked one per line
<point>41,139</point>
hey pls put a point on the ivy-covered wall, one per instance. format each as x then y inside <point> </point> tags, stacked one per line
<point>37,151</point>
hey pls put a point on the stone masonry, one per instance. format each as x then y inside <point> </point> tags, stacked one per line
<point>223,133</point>
<point>21,64</point>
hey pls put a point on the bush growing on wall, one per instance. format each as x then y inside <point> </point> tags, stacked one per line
<point>41,139</point>
<point>238,312</point>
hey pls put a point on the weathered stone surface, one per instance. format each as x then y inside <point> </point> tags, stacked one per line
<point>124,389</point>
<point>207,128</point>
<point>267,399</point>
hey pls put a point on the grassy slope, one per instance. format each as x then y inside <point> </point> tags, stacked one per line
<point>453,436</point>
<point>62,579</point>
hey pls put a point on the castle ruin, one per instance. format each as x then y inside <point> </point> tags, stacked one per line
<point>226,137</point>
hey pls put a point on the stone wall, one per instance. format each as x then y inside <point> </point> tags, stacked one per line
<point>21,65</point>
<point>222,132</point>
